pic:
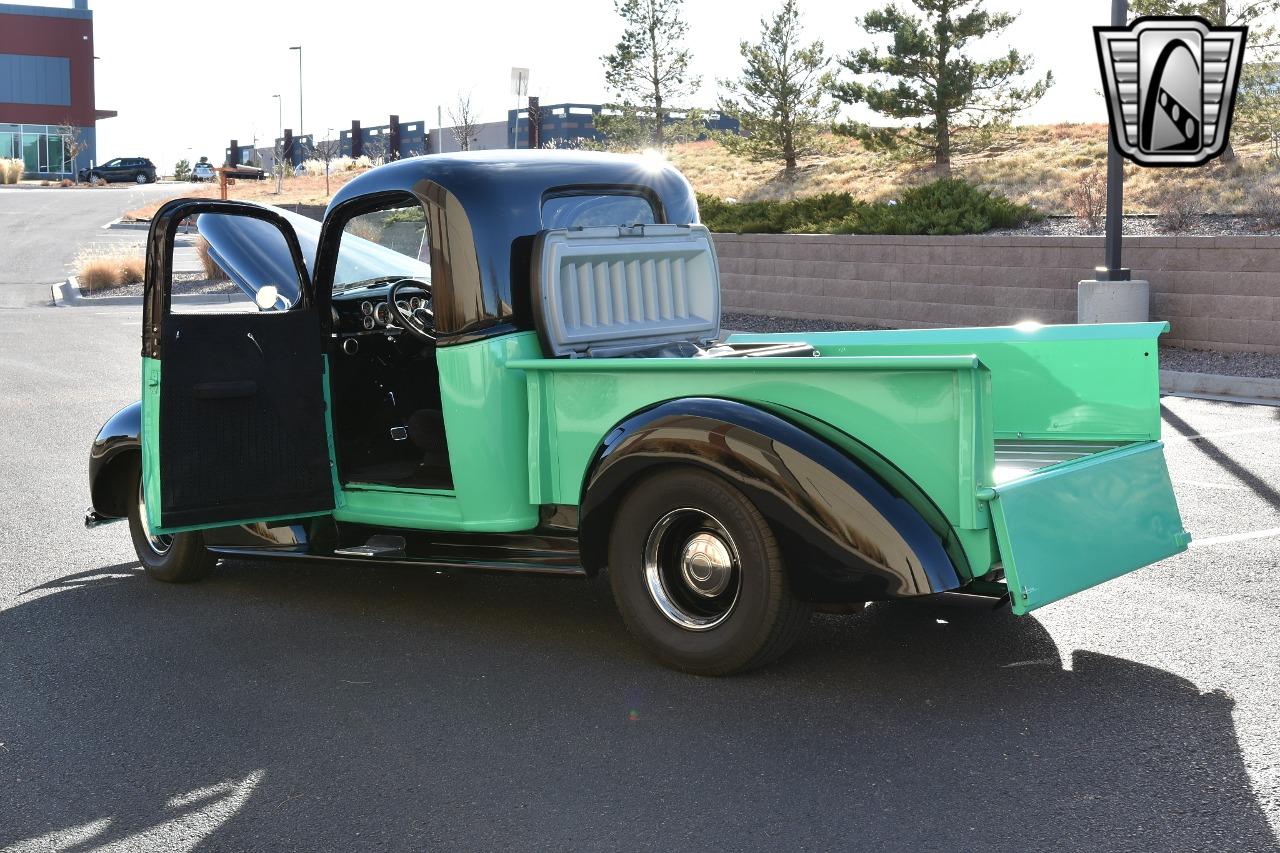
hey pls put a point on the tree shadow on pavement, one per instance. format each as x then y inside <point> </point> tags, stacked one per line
<point>1259,486</point>
<point>288,707</point>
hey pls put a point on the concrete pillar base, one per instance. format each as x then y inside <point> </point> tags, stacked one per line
<point>1113,302</point>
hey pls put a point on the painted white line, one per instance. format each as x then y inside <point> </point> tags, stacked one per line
<point>1231,487</point>
<point>112,222</point>
<point>1223,434</point>
<point>1235,537</point>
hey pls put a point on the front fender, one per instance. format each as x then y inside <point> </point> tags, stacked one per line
<point>115,451</point>
<point>845,535</point>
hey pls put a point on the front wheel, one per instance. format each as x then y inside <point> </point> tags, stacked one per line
<point>173,558</point>
<point>698,577</point>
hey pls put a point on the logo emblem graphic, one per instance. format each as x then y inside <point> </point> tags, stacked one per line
<point>1170,85</point>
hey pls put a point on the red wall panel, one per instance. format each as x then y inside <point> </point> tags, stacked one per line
<point>40,35</point>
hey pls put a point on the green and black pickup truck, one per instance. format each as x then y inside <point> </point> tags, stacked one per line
<point>513,361</point>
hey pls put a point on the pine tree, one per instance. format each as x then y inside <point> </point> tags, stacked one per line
<point>647,71</point>
<point>928,79</point>
<point>781,98</point>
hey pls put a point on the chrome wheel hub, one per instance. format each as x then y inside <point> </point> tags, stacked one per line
<point>159,543</point>
<point>691,569</point>
<point>706,565</point>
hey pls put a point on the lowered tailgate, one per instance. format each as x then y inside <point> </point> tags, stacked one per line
<point>1076,524</point>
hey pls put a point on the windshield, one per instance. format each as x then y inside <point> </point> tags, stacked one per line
<point>384,244</point>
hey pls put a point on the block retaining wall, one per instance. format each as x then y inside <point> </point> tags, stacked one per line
<point>1219,293</point>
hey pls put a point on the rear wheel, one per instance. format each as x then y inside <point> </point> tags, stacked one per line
<point>141,177</point>
<point>698,577</point>
<point>173,558</point>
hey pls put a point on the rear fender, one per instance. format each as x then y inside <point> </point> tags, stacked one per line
<point>845,535</point>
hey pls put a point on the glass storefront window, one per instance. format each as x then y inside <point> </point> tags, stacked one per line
<point>31,152</point>
<point>55,155</point>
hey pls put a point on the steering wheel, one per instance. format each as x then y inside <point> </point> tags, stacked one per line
<point>418,322</point>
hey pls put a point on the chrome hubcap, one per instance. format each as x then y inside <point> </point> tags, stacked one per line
<point>159,543</point>
<point>691,569</point>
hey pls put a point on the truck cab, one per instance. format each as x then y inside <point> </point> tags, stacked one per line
<point>513,361</point>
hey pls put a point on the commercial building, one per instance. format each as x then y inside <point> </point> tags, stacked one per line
<point>569,124</point>
<point>561,125</point>
<point>47,88</point>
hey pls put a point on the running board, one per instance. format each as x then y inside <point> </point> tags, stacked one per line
<point>541,551</point>
<point>377,546</point>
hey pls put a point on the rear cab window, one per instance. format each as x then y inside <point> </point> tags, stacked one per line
<point>585,209</point>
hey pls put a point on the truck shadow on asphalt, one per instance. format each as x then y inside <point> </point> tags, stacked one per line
<point>281,706</point>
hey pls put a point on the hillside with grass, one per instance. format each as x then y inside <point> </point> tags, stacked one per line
<point>1040,166</point>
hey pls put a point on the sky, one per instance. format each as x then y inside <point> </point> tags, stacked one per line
<point>183,87</point>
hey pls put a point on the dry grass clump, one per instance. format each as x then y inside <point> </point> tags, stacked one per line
<point>106,270</point>
<point>212,271</point>
<point>10,170</point>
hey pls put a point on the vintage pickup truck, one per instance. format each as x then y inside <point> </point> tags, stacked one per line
<point>513,361</point>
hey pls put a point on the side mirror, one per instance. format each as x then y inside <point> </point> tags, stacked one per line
<point>266,297</point>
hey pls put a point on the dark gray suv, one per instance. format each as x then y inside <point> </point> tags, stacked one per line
<point>137,169</point>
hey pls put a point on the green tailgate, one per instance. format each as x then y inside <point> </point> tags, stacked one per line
<point>1072,526</point>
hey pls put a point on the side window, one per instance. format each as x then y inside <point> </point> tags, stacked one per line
<point>384,245</point>
<point>220,259</point>
<point>582,210</point>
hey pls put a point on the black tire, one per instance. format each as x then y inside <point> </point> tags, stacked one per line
<point>183,560</point>
<point>753,620</point>
<point>141,178</point>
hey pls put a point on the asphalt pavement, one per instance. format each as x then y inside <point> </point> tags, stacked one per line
<point>42,230</point>
<point>289,707</point>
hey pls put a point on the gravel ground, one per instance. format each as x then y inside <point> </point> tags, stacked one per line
<point>182,283</point>
<point>1204,225</point>
<point>1171,358</point>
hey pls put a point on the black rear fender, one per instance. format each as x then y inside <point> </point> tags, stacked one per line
<point>844,534</point>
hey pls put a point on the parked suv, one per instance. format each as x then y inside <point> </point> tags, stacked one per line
<point>137,169</point>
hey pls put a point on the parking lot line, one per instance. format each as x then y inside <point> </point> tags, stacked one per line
<point>1222,434</point>
<point>1235,537</point>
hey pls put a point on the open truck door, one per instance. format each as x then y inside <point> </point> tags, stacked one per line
<point>233,401</point>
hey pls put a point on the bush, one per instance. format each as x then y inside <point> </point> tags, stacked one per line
<point>102,271</point>
<point>1177,205</point>
<point>946,206</point>
<point>1265,203</point>
<point>10,171</point>
<point>1089,199</point>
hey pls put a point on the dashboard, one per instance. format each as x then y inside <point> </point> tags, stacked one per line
<point>366,310</point>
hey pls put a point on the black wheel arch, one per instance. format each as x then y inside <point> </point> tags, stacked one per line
<point>115,450</point>
<point>845,535</point>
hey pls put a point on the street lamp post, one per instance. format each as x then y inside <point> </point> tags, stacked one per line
<point>1112,295</point>
<point>298,48</point>
<point>1113,271</point>
<point>276,157</point>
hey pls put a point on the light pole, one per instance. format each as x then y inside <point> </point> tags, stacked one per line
<point>1113,271</point>
<point>298,48</point>
<point>277,150</point>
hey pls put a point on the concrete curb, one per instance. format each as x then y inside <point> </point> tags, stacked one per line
<point>67,295</point>
<point>1212,386</point>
